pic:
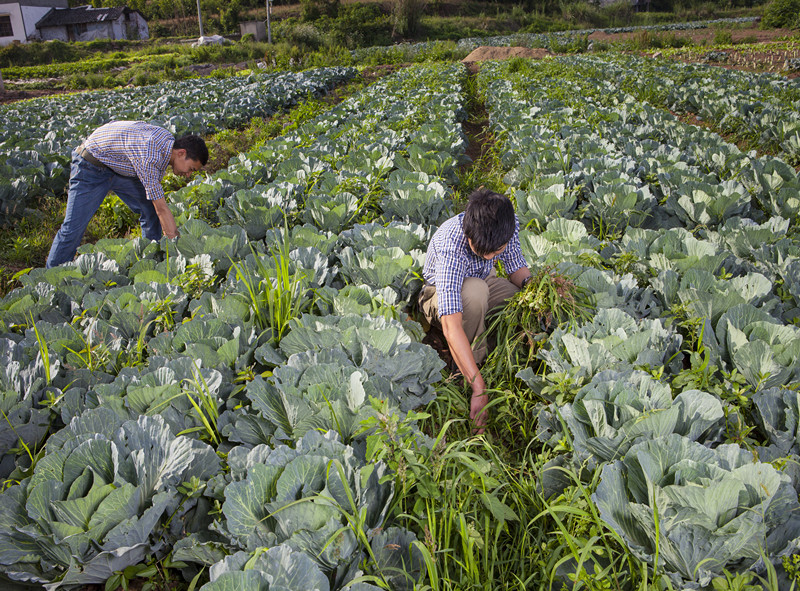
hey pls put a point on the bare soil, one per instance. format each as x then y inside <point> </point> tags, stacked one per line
<point>700,36</point>
<point>766,58</point>
<point>10,96</point>
<point>482,54</point>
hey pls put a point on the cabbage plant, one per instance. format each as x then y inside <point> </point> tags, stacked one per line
<point>25,420</point>
<point>617,410</point>
<point>612,340</point>
<point>319,498</point>
<point>692,512</point>
<point>100,500</point>
<point>763,349</point>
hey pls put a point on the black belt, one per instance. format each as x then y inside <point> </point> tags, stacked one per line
<point>86,155</point>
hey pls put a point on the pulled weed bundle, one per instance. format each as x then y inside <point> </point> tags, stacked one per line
<point>549,299</point>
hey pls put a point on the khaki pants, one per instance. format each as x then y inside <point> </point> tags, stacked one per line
<point>478,296</point>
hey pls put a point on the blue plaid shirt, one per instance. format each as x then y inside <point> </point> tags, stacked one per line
<point>134,149</point>
<point>450,260</point>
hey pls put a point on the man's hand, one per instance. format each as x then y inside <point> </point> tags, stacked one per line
<point>477,405</point>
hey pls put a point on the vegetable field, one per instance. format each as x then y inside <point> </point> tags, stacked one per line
<point>251,406</point>
<point>36,141</point>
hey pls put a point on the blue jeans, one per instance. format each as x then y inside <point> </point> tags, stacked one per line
<point>88,186</point>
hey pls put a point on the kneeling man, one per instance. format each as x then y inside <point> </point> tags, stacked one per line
<point>461,284</point>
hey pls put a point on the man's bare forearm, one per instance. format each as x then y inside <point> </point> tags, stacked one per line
<point>168,225</point>
<point>461,351</point>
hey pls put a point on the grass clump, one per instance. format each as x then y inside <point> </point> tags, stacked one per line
<point>549,299</point>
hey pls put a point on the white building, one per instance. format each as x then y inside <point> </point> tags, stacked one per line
<point>85,23</point>
<point>18,19</point>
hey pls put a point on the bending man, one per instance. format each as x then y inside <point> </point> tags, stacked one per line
<point>129,158</point>
<point>461,285</point>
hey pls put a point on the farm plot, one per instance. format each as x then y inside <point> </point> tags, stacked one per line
<point>38,135</point>
<point>762,107</point>
<point>688,247</point>
<point>205,397</point>
<point>428,50</point>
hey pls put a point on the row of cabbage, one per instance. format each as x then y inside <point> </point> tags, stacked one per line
<point>763,106</point>
<point>547,40</point>
<point>197,417</point>
<point>38,135</point>
<point>686,245</point>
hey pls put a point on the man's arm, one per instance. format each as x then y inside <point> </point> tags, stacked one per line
<point>168,225</point>
<point>520,275</point>
<point>462,354</point>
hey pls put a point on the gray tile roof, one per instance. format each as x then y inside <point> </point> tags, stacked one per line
<point>58,17</point>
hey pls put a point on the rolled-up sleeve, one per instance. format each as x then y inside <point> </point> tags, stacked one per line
<point>512,257</point>
<point>150,174</point>
<point>450,273</point>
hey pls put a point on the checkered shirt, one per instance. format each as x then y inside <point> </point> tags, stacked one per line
<point>134,149</point>
<point>450,260</point>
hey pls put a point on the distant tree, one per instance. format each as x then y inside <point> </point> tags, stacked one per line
<point>781,13</point>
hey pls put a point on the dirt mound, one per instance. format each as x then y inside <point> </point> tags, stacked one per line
<point>483,54</point>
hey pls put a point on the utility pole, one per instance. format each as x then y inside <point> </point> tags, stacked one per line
<point>199,18</point>
<point>269,28</point>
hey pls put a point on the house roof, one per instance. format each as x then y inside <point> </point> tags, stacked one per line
<point>44,3</point>
<point>58,17</point>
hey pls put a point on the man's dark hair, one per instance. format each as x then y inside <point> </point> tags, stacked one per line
<point>489,221</point>
<point>195,148</point>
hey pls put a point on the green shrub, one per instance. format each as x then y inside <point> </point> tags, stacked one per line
<point>618,13</point>
<point>143,79</point>
<point>541,24</point>
<point>584,13</point>
<point>94,81</point>
<point>358,25</point>
<point>441,51</point>
<point>77,82</point>
<point>329,56</point>
<point>781,13</point>
<point>306,36</point>
<point>229,17</point>
<point>314,9</point>
<point>723,37</point>
<point>247,38</point>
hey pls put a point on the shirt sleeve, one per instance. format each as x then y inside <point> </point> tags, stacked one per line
<point>148,162</point>
<point>512,257</point>
<point>450,273</point>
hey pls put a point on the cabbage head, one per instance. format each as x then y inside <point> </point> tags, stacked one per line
<point>697,510</point>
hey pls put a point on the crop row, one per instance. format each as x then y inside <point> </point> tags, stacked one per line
<point>265,344</point>
<point>763,106</point>
<point>410,50</point>
<point>694,346</point>
<point>38,135</point>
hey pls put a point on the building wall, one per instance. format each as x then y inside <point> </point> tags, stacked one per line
<point>118,29</point>
<point>141,26</point>
<point>54,33</point>
<point>257,28</point>
<point>17,24</point>
<point>32,15</point>
<point>97,31</point>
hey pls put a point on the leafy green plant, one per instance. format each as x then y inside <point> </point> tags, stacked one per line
<point>549,299</point>
<point>781,13</point>
<point>277,294</point>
